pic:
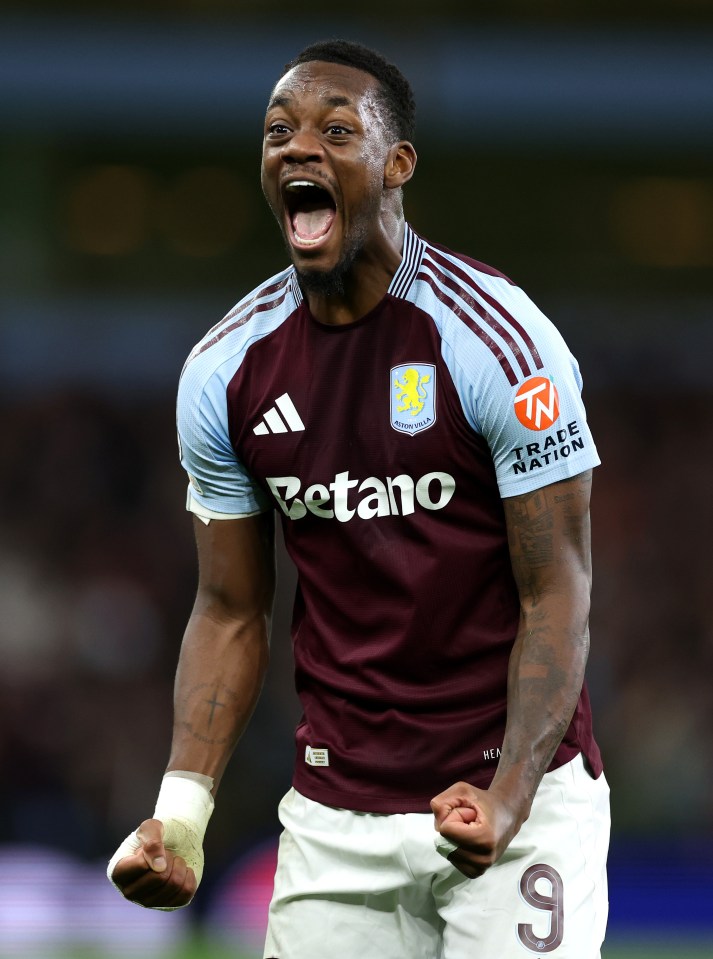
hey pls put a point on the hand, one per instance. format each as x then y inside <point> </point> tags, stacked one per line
<point>479,821</point>
<point>153,876</point>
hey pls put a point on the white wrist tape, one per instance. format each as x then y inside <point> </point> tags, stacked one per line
<point>184,806</point>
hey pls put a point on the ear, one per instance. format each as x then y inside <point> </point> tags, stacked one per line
<point>400,165</point>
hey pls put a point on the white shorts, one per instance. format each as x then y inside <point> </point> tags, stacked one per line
<point>352,885</point>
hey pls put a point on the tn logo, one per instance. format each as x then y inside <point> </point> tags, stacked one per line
<point>411,392</point>
<point>537,404</point>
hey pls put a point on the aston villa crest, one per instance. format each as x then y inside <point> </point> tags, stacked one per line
<point>413,397</point>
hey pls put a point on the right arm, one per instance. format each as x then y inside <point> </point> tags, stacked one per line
<point>225,648</point>
<point>220,673</point>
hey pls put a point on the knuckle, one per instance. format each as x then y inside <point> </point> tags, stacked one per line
<point>149,828</point>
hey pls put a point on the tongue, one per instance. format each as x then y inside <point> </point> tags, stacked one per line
<point>311,224</point>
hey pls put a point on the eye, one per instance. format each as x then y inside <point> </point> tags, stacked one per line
<point>336,129</point>
<point>277,130</point>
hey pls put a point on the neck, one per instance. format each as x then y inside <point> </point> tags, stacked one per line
<point>366,282</point>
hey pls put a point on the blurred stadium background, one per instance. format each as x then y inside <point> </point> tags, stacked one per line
<point>568,143</point>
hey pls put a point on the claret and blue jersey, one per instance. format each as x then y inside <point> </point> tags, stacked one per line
<point>386,446</point>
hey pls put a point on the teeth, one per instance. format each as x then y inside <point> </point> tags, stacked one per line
<point>295,184</point>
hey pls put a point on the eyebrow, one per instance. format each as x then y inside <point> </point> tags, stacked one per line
<point>279,101</point>
<point>337,101</point>
<point>283,100</point>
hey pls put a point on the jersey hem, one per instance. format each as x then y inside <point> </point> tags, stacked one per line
<point>389,805</point>
<point>206,514</point>
<point>340,799</point>
<point>518,486</point>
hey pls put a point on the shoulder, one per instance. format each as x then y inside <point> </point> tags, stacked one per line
<point>481,311</point>
<point>489,295</point>
<point>467,264</point>
<point>255,316</point>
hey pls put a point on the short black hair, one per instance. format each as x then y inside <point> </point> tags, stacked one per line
<point>395,91</point>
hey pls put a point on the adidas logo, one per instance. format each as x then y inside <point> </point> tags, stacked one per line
<point>272,422</point>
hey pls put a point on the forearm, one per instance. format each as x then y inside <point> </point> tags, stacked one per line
<point>545,679</point>
<point>220,674</point>
<point>549,538</point>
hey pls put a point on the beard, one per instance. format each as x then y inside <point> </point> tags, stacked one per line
<point>331,282</point>
<point>327,282</point>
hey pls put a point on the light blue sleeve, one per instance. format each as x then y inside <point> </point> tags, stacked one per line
<point>536,428</point>
<point>219,483</point>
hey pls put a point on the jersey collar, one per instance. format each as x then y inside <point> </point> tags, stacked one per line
<point>411,257</point>
<point>295,287</point>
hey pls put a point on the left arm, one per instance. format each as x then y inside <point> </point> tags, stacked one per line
<point>549,541</point>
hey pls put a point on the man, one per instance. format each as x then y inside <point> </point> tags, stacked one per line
<point>417,424</point>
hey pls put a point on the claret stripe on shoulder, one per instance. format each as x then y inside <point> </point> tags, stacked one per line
<point>281,288</point>
<point>507,317</point>
<point>458,311</point>
<point>488,319</point>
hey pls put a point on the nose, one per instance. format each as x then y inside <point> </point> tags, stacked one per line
<point>303,147</point>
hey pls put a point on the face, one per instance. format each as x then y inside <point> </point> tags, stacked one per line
<point>324,154</point>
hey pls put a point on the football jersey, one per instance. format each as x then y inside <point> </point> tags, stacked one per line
<point>386,446</point>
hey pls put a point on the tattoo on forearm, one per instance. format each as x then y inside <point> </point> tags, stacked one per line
<point>548,532</point>
<point>214,704</point>
<point>204,704</point>
<point>540,686</point>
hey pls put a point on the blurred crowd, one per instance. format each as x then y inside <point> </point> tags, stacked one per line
<point>97,577</point>
<point>652,639</point>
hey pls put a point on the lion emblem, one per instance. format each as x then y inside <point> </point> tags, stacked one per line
<point>411,391</point>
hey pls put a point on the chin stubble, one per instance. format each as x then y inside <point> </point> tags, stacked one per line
<point>323,282</point>
<point>333,282</point>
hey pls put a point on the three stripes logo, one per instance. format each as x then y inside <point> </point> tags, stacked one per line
<point>281,418</point>
<point>537,404</point>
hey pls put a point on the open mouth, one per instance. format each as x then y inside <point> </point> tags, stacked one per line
<point>311,211</point>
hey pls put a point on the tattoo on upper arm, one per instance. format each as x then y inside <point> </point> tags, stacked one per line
<point>537,520</point>
<point>531,542</point>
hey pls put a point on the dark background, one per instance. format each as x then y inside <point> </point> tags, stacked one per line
<point>568,144</point>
